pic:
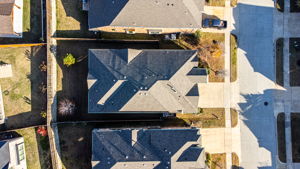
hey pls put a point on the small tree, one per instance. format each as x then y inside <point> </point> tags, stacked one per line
<point>66,107</point>
<point>69,60</point>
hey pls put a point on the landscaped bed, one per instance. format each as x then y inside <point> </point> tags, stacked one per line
<point>233,58</point>
<point>294,61</point>
<point>295,124</point>
<point>279,62</point>
<point>235,161</point>
<point>36,148</point>
<point>281,137</point>
<point>211,52</point>
<point>32,27</point>
<point>215,2</point>
<point>234,117</point>
<point>205,118</point>
<point>24,94</point>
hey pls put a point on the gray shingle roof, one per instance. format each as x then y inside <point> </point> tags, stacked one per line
<point>6,17</point>
<point>4,154</point>
<point>150,80</point>
<point>147,148</point>
<point>146,13</point>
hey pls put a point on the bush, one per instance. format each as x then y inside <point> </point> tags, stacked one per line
<point>66,107</point>
<point>69,60</point>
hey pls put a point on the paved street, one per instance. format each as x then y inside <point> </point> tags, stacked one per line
<point>254,28</point>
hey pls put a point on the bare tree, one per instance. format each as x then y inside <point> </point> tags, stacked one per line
<point>66,107</point>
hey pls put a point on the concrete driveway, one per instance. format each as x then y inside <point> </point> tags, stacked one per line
<point>254,28</point>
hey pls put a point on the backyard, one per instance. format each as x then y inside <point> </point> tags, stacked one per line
<point>72,21</point>
<point>32,27</point>
<point>211,52</point>
<point>294,61</point>
<point>279,61</point>
<point>295,124</point>
<point>281,137</point>
<point>24,94</point>
<point>36,149</point>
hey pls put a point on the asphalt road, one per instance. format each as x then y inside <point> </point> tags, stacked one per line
<point>254,28</point>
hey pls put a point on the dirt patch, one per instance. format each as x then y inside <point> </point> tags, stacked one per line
<point>281,137</point>
<point>22,95</point>
<point>233,58</point>
<point>234,117</point>
<point>218,161</point>
<point>215,2</point>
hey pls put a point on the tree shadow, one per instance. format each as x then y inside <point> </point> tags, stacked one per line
<point>34,33</point>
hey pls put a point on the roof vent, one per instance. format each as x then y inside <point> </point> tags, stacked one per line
<point>144,157</point>
<point>126,157</point>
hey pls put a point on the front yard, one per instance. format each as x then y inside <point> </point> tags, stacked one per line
<point>205,118</point>
<point>24,93</point>
<point>211,52</point>
<point>36,149</point>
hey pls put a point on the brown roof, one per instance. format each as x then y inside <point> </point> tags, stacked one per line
<point>6,16</point>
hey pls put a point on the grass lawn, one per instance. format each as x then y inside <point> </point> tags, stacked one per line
<point>294,6</point>
<point>215,2</point>
<point>234,117</point>
<point>22,97</point>
<point>279,62</point>
<point>32,25</point>
<point>218,161</point>
<point>280,5</point>
<point>208,118</point>
<point>211,52</point>
<point>281,137</point>
<point>233,3</point>
<point>233,58</point>
<point>294,62</point>
<point>71,20</point>
<point>295,124</point>
<point>36,149</point>
<point>235,161</point>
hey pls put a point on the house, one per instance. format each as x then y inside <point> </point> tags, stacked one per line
<point>147,149</point>
<point>145,16</point>
<point>11,18</point>
<point>12,154</point>
<point>143,81</point>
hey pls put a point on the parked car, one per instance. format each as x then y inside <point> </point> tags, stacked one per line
<point>214,23</point>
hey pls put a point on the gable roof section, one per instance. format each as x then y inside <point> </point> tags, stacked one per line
<point>6,16</point>
<point>4,154</point>
<point>145,148</point>
<point>146,13</point>
<point>134,80</point>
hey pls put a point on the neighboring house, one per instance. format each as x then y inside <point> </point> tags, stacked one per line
<point>143,81</point>
<point>5,71</point>
<point>145,16</point>
<point>11,18</point>
<point>12,154</point>
<point>147,149</point>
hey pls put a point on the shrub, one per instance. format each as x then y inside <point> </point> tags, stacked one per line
<point>69,60</point>
<point>66,107</point>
